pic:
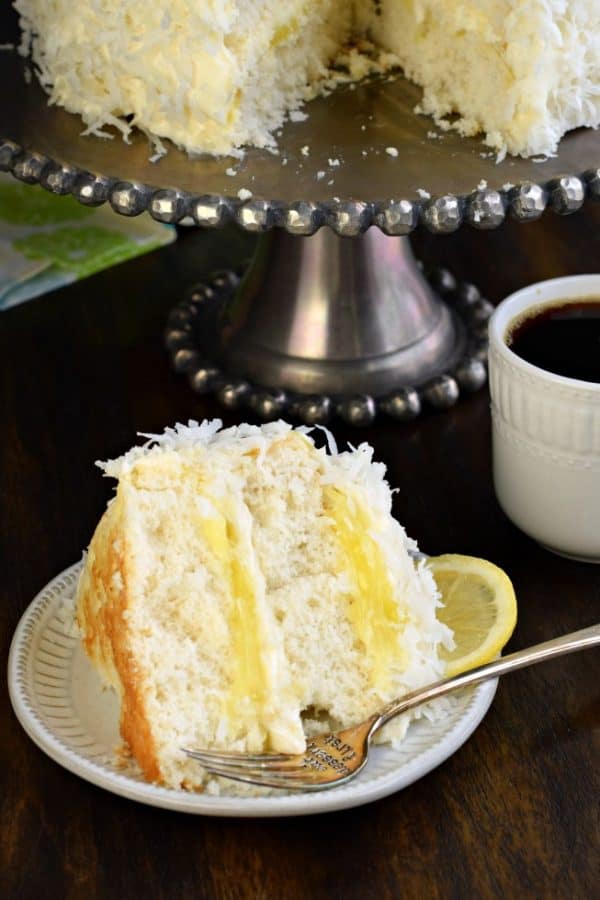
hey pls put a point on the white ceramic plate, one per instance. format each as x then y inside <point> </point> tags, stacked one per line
<point>61,705</point>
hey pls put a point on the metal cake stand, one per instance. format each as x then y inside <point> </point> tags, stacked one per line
<point>335,319</point>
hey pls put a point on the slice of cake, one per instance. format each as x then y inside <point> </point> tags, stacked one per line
<point>244,588</point>
<point>214,77</point>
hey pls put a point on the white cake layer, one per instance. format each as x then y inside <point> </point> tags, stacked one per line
<point>523,73</point>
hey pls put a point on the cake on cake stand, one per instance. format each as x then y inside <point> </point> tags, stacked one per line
<point>333,314</point>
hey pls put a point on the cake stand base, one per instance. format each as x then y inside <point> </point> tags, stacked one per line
<point>324,324</point>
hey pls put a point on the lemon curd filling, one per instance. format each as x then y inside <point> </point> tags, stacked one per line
<point>248,687</point>
<point>371,607</point>
<point>283,32</point>
<point>230,560</point>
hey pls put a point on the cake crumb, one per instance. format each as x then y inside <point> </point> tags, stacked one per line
<point>244,194</point>
<point>231,172</point>
<point>423,194</point>
<point>321,175</point>
<point>305,150</point>
<point>482,186</point>
<point>333,163</point>
<point>392,151</point>
<point>122,756</point>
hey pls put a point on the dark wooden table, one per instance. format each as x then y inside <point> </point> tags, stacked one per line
<point>514,813</point>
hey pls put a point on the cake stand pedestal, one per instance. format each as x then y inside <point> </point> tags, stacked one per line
<point>333,315</point>
<point>326,320</point>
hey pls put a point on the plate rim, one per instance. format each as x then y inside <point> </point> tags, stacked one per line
<point>49,598</point>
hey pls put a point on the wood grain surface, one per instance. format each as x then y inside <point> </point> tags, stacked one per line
<point>514,813</point>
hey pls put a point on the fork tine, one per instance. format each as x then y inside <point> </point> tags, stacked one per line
<point>257,763</point>
<point>263,778</point>
<point>222,756</point>
<point>297,773</point>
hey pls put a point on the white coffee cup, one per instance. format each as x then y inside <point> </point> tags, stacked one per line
<point>546,432</point>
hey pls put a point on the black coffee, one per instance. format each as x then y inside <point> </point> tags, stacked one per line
<point>562,338</point>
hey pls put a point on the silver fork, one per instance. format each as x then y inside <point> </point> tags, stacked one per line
<point>334,758</point>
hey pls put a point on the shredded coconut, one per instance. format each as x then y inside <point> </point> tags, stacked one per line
<point>520,74</point>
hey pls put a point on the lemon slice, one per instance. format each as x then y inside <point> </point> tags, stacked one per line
<point>479,606</point>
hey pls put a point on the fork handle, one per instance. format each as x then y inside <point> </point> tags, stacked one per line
<point>568,643</point>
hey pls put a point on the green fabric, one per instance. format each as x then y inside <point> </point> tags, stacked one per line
<point>47,240</point>
<point>24,204</point>
<point>82,251</point>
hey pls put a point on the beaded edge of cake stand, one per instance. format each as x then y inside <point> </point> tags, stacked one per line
<point>482,209</point>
